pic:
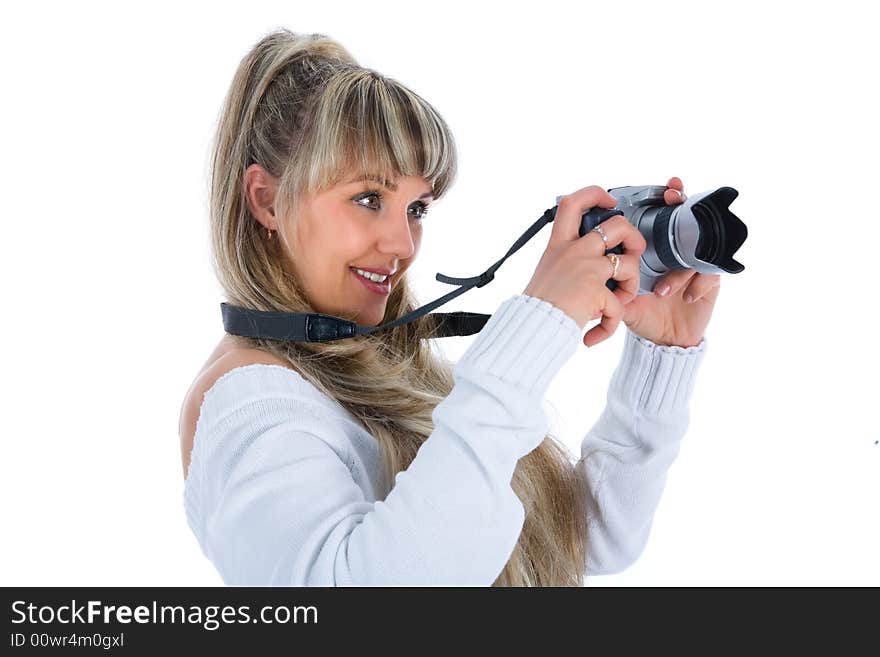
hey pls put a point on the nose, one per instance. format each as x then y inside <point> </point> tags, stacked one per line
<point>395,235</point>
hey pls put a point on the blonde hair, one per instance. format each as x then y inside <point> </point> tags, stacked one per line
<point>302,108</point>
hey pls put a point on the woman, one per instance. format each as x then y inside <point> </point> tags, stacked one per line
<point>371,460</point>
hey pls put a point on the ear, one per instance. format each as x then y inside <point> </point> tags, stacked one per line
<point>260,188</point>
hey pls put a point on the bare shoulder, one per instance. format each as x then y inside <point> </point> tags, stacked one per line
<point>227,356</point>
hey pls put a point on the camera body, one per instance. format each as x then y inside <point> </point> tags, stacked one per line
<point>701,233</point>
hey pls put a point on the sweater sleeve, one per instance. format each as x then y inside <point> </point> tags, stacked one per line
<point>626,455</point>
<point>274,502</point>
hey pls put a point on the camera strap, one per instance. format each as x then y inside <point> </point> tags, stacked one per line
<point>318,327</point>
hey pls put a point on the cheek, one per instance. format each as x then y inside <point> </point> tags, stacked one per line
<point>417,241</point>
<point>333,241</point>
<point>347,242</point>
<point>416,228</point>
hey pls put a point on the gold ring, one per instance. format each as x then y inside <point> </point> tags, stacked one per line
<point>615,263</point>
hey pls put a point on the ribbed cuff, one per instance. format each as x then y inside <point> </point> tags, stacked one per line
<point>654,378</point>
<point>525,342</point>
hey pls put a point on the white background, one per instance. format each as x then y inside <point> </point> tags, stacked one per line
<point>110,306</point>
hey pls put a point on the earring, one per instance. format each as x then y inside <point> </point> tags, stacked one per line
<point>269,233</point>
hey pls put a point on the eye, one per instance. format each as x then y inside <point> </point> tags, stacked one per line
<point>366,196</point>
<point>422,208</point>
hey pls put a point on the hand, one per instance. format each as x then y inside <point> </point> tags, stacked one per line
<point>669,319</point>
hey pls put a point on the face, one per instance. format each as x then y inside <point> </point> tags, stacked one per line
<point>357,223</point>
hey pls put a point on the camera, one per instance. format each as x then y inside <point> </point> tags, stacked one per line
<point>701,233</point>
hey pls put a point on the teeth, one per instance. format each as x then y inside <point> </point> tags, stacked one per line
<point>376,278</point>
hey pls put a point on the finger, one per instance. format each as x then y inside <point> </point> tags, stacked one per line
<point>675,183</point>
<point>673,196</point>
<point>618,231</point>
<point>675,280</point>
<point>570,209</point>
<point>700,285</point>
<point>627,278</point>
<point>611,316</point>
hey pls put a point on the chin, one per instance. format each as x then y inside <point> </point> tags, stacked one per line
<point>364,317</point>
<point>378,320</point>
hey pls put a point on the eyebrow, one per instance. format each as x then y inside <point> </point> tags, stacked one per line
<point>390,186</point>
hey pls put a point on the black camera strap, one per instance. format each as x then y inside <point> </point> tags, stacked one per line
<point>317,327</point>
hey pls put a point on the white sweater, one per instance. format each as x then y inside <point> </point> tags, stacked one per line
<point>283,486</point>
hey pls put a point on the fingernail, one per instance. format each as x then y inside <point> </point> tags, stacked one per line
<point>689,298</point>
<point>663,291</point>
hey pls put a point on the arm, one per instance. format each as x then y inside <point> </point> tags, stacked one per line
<point>273,501</point>
<point>626,455</point>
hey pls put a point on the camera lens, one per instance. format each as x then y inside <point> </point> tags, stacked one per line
<point>711,243</point>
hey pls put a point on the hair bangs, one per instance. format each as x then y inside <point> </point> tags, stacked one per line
<point>370,125</point>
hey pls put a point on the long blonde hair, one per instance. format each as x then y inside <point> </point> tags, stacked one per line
<point>302,108</point>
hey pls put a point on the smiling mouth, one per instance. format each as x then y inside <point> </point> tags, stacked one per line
<point>383,288</point>
<point>387,278</point>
